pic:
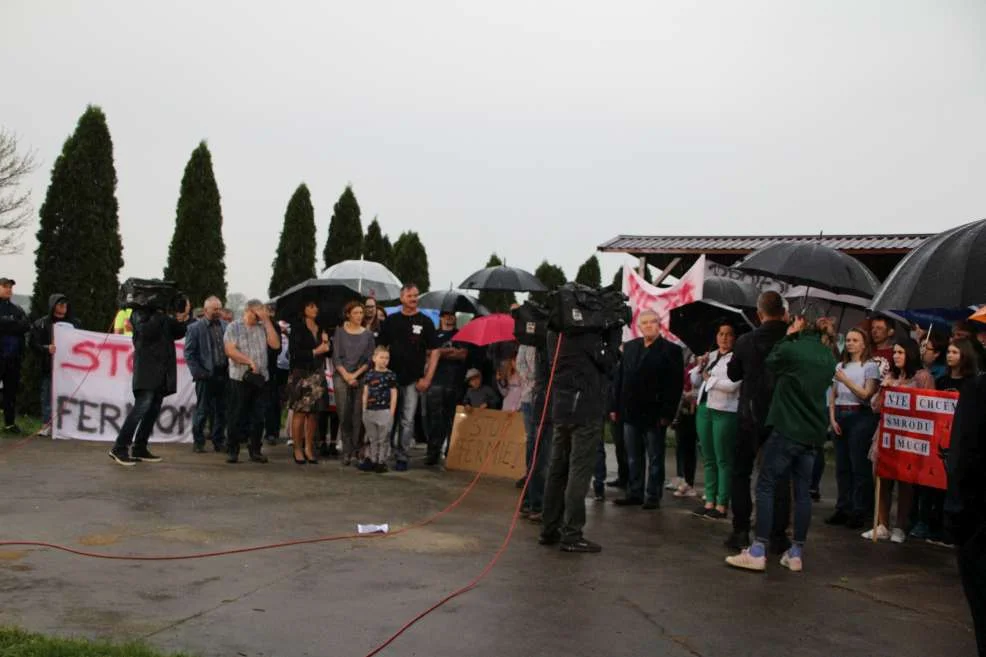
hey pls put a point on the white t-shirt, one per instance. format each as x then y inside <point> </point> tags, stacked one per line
<point>859,374</point>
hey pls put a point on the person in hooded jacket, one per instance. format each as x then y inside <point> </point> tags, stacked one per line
<point>42,341</point>
<point>155,377</point>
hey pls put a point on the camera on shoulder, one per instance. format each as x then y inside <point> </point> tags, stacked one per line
<point>151,294</point>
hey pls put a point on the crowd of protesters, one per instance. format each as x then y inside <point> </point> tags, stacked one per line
<point>379,383</point>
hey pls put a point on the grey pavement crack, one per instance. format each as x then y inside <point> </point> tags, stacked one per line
<point>678,640</point>
<point>224,602</point>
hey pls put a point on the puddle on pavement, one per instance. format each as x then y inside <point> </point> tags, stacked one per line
<point>12,555</point>
<point>426,541</point>
<point>100,539</point>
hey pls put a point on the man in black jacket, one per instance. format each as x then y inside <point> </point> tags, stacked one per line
<point>756,391</point>
<point>42,341</point>
<point>14,325</point>
<point>155,377</point>
<point>578,406</point>
<point>966,503</point>
<point>648,388</point>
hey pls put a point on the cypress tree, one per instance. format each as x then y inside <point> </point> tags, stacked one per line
<point>496,302</point>
<point>411,261</point>
<point>552,276</point>
<point>376,246</point>
<point>589,273</point>
<point>197,255</point>
<point>80,252</point>
<point>345,240</point>
<point>295,259</point>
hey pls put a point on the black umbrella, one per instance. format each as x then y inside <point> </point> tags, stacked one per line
<point>330,296</point>
<point>451,301</point>
<point>945,271</point>
<point>812,265</point>
<point>504,279</point>
<point>696,323</point>
<point>738,294</point>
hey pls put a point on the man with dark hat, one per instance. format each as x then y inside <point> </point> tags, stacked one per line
<point>42,341</point>
<point>14,325</point>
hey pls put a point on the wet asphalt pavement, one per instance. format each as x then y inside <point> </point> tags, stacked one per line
<point>659,587</point>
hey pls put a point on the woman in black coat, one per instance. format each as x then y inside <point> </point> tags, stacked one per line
<point>155,377</point>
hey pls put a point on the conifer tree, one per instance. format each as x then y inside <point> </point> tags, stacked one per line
<point>411,261</point>
<point>295,259</point>
<point>197,255</point>
<point>552,276</point>
<point>345,241</point>
<point>589,273</point>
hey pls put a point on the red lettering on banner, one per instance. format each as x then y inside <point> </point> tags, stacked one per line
<point>115,350</point>
<point>87,349</point>
<point>913,429</point>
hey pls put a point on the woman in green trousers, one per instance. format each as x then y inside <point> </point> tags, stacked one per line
<point>716,420</point>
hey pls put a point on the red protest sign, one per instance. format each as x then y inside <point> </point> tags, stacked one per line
<point>914,424</point>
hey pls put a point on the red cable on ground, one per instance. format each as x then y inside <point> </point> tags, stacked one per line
<point>257,548</point>
<point>510,532</point>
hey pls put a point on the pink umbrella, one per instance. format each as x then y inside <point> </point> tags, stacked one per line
<point>483,331</point>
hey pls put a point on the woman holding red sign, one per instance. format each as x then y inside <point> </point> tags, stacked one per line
<point>906,371</point>
<point>852,422</point>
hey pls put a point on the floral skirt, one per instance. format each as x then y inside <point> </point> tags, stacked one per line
<point>305,390</point>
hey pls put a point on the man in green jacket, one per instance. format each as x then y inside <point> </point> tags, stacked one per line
<point>803,365</point>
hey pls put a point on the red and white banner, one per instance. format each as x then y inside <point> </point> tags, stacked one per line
<point>91,392</point>
<point>914,425</point>
<point>644,296</point>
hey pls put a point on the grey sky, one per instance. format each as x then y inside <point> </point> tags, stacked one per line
<point>536,129</point>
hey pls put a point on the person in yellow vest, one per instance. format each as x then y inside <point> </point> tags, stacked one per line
<point>121,323</point>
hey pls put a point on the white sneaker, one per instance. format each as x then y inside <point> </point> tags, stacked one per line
<point>673,484</point>
<point>686,491</point>
<point>45,432</point>
<point>898,536</point>
<point>747,561</point>
<point>794,564</point>
<point>882,533</point>
<point>290,443</point>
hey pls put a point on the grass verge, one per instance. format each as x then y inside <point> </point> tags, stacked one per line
<point>18,643</point>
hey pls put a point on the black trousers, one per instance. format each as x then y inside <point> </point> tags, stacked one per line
<point>439,402</point>
<point>272,413</point>
<point>971,557</point>
<point>140,421</point>
<point>686,454</point>
<point>748,444</point>
<point>622,469</point>
<point>247,417</point>
<point>10,374</point>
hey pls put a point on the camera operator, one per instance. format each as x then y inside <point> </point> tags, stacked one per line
<point>155,377</point>
<point>581,385</point>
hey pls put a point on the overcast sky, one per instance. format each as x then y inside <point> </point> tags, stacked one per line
<point>535,129</point>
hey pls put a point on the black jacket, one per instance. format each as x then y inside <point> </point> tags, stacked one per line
<point>43,329</point>
<point>748,365</point>
<point>14,326</point>
<point>155,364</point>
<point>649,382</point>
<point>966,502</point>
<point>582,376</point>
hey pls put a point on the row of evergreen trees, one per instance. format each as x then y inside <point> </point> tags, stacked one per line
<point>80,251</point>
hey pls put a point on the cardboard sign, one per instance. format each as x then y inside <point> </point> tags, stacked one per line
<point>91,388</point>
<point>914,425</point>
<point>478,433</point>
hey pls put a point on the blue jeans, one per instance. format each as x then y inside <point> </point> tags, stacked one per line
<point>854,470</point>
<point>405,436</point>
<point>534,497</point>
<point>783,458</point>
<point>46,398</point>
<point>645,442</point>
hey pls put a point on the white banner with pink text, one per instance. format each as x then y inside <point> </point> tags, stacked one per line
<point>644,296</point>
<point>91,393</point>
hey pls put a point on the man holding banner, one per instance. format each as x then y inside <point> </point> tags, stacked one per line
<point>155,377</point>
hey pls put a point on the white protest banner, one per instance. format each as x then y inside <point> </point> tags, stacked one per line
<point>644,296</point>
<point>91,391</point>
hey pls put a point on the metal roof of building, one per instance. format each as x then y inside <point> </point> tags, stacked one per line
<point>642,244</point>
